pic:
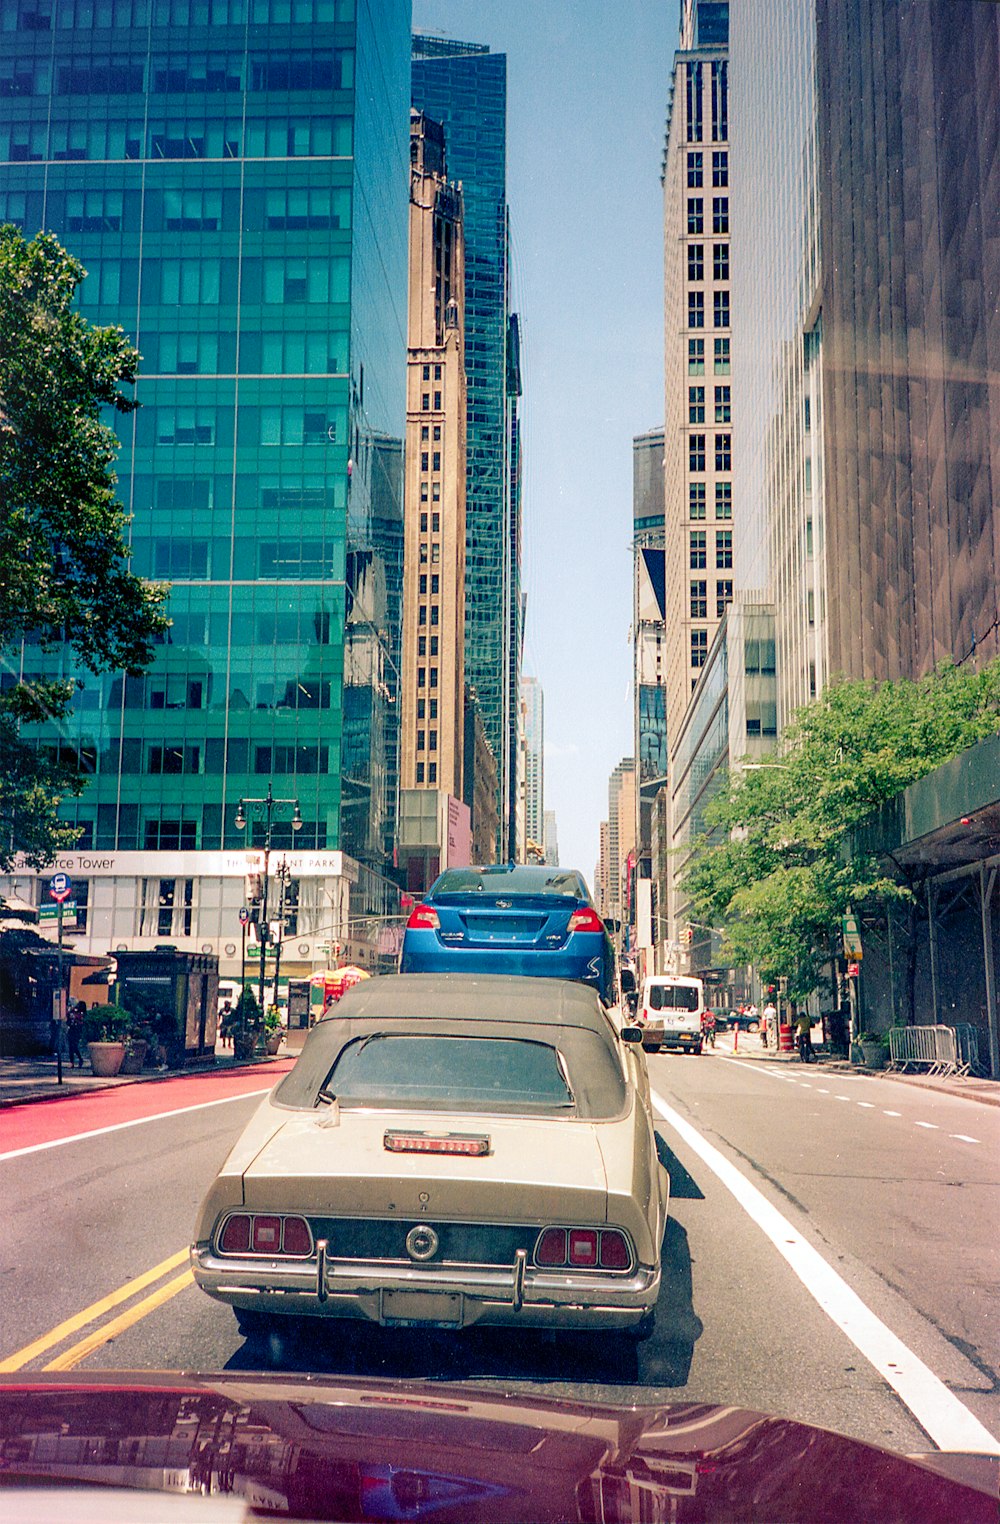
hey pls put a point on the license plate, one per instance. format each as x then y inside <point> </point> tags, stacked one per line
<point>429,1309</point>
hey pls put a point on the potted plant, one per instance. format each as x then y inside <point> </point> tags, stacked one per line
<point>272,1031</point>
<point>248,1024</point>
<point>874,1049</point>
<point>105,1031</point>
<point>136,1045</point>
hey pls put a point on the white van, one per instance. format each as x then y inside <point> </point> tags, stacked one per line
<point>670,1013</point>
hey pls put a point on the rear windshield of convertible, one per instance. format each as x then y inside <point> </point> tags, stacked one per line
<point>474,1072</point>
<point>564,1071</point>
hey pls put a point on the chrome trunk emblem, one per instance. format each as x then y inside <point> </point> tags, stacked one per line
<point>422,1242</point>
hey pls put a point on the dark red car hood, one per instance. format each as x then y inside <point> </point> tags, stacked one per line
<point>349,1449</point>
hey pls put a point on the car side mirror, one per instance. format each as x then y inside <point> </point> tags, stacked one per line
<point>631,1034</point>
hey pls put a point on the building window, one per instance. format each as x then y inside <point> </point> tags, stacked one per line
<point>696,404</point>
<point>807,413</point>
<point>720,101</point>
<point>812,679</point>
<point>421,708</point>
<point>696,452</point>
<point>423,551</point>
<point>723,597</point>
<point>432,740</point>
<point>423,492</point>
<point>434,709</point>
<point>699,600</point>
<point>723,452</point>
<point>699,549</point>
<point>437,405</point>
<point>696,214</point>
<point>696,261</point>
<point>696,500</point>
<point>420,772</point>
<point>437,460</point>
<point>810,607</point>
<point>421,740</point>
<point>435,553</point>
<point>720,167</point>
<point>421,645</point>
<point>723,406</point>
<point>720,314</point>
<point>434,645</point>
<point>435,523</point>
<point>427,373</point>
<point>432,772</point>
<point>720,214</point>
<point>437,372</point>
<point>435,583</point>
<point>423,584</point>
<point>694,169</point>
<point>720,261</point>
<point>723,549</point>
<point>696,309</point>
<point>434,677</point>
<point>437,426</point>
<point>722,357</point>
<point>422,614</point>
<point>699,647</point>
<point>424,461</point>
<point>723,500</point>
<point>421,677</point>
<point>423,523</point>
<point>425,402</point>
<point>435,614</point>
<point>696,357</point>
<point>425,432</point>
<point>693,102</point>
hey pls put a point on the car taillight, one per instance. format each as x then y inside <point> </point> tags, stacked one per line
<point>246,1233</point>
<point>583,1249</point>
<point>615,1252</point>
<point>422,918</point>
<point>551,1247</point>
<point>474,1145</point>
<point>585,920</point>
<point>236,1234</point>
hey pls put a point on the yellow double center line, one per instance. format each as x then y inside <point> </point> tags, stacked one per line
<point>72,1357</point>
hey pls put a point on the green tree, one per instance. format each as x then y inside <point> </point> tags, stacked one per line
<point>64,577</point>
<point>775,871</point>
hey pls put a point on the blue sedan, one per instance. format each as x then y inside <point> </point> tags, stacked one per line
<point>520,919</point>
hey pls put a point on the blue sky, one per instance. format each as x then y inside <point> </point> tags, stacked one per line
<point>587,84</point>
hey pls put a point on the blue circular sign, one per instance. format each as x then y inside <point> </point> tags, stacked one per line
<point>244,915</point>
<point>60,885</point>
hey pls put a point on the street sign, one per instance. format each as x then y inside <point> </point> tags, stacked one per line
<point>244,915</point>
<point>60,886</point>
<point>852,936</point>
<point>51,913</point>
<point>853,970</point>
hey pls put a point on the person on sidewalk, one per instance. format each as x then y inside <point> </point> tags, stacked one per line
<point>74,1033</point>
<point>803,1036</point>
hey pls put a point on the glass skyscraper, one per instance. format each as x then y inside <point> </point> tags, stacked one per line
<point>464,86</point>
<point>233,175</point>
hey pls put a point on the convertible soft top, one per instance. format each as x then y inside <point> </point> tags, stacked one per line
<point>557,1012</point>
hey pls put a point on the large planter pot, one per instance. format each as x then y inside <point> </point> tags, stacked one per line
<point>875,1054</point>
<point>244,1045</point>
<point>273,1042</point>
<point>106,1058</point>
<point>135,1056</point>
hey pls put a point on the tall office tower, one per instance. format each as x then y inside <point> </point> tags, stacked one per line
<point>648,611</point>
<point>698,437</point>
<point>433,699</point>
<point>235,183</point>
<point>550,836</point>
<point>464,86</point>
<point>533,702</point>
<point>621,835</point>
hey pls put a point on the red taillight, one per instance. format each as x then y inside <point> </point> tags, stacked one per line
<point>551,1247</point>
<point>266,1238</point>
<point>585,920</point>
<point>236,1234</point>
<point>474,1145</point>
<point>422,918</point>
<point>615,1252</point>
<point>296,1239</point>
<point>583,1247</point>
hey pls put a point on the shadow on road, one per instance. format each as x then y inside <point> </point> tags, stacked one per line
<point>682,1186</point>
<point>666,1359</point>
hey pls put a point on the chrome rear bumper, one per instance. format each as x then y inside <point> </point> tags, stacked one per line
<point>454,1296</point>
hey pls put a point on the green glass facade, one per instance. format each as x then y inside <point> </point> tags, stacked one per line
<point>233,175</point>
<point>464,86</point>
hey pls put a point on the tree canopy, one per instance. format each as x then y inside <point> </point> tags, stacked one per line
<point>773,872</point>
<point>64,577</point>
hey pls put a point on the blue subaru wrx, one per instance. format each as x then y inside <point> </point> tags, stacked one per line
<point>520,919</point>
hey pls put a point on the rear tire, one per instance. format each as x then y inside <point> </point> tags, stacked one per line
<point>696,1049</point>
<point>251,1323</point>
<point>644,1329</point>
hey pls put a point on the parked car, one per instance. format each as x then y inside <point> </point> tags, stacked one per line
<point>447,1150</point>
<point>746,1021</point>
<point>518,919</point>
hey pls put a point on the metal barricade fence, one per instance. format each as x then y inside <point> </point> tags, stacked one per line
<point>940,1049</point>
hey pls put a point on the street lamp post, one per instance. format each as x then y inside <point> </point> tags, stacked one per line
<point>270,810</point>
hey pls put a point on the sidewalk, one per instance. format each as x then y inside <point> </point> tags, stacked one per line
<point>35,1079</point>
<point>970,1088</point>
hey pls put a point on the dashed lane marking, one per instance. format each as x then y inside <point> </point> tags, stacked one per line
<point>960,1137</point>
<point>868,1105</point>
<point>947,1421</point>
<point>892,1113</point>
<point>931,1126</point>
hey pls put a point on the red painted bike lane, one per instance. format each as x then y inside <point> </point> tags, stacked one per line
<point>43,1123</point>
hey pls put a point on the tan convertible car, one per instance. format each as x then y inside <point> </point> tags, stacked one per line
<point>448,1150</point>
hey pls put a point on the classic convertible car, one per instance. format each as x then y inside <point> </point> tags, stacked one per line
<point>448,1150</point>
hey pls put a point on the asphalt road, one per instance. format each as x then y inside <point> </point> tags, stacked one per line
<point>896,1190</point>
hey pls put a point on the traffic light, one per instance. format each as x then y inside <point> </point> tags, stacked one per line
<point>687,935</point>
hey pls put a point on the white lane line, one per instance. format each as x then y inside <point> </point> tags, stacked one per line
<point>842,1097</point>
<point>159,1116</point>
<point>931,1126</point>
<point>821,1091</point>
<point>892,1113</point>
<point>786,1079</point>
<point>938,1411</point>
<point>960,1137</point>
<point>868,1105</point>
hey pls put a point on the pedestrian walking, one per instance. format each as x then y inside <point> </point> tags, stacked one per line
<point>803,1029</point>
<point>74,1034</point>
